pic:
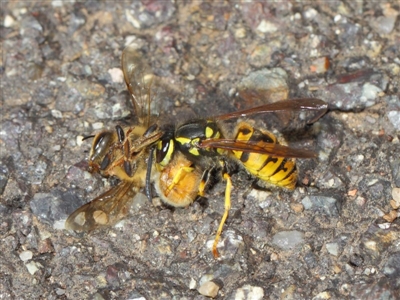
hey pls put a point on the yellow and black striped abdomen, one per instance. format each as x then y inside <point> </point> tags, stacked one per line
<point>279,171</point>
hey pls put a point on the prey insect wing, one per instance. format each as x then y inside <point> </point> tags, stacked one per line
<point>138,80</point>
<point>104,210</point>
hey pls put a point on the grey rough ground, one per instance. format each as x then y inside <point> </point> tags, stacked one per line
<point>327,240</point>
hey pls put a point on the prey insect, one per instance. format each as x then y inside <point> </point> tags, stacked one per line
<point>138,156</point>
<point>179,160</point>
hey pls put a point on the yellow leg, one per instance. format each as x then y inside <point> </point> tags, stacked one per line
<point>178,177</point>
<point>226,212</point>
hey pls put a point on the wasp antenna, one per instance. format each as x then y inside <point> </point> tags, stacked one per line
<point>88,137</point>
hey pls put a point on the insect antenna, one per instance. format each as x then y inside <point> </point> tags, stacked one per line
<point>88,137</point>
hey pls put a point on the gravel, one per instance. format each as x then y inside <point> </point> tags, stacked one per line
<point>61,80</point>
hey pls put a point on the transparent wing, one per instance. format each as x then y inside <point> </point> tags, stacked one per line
<point>105,210</point>
<point>248,146</point>
<point>302,104</point>
<point>150,94</point>
<point>139,78</point>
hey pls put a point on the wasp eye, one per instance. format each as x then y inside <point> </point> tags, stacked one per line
<point>164,151</point>
<point>100,145</point>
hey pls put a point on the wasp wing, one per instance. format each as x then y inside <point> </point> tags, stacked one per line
<point>307,104</point>
<point>105,210</point>
<point>249,146</point>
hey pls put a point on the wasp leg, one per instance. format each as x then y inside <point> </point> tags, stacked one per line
<point>226,213</point>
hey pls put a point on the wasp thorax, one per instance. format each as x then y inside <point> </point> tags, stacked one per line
<point>190,135</point>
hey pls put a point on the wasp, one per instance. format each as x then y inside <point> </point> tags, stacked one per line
<point>256,150</point>
<point>178,159</point>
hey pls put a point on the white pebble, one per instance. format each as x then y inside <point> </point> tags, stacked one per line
<point>97,125</point>
<point>56,113</point>
<point>32,267</point>
<point>8,21</point>
<point>116,75</point>
<point>26,255</point>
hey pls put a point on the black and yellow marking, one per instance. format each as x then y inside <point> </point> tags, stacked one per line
<point>190,135</point>
<point>165,150</point>
<point>276,170</point>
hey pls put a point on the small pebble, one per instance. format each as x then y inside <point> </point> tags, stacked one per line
<point>26,255</point>
<point>97,125</point>
<point>352,193</point>
<point>297,207</point>
<point>56,113</point>
<point>32,267</point>
<point>267,27</point>
<point>79,140</point>
<point>8,21</point>
<point>310,13</point>
<point>56,148</point>
<point>192,284</point>
<point>240,33</point>
<point>391,216</point>
<point>116,75</point>
<point>370,92</point>
<point>333,248</point>
<point>249,292</point>
<point>209,289</point>
<point>60,292</point>
<point>323,295</point>
<point>395,204</point>
<point>396,194</point>
<point>287,240</point>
